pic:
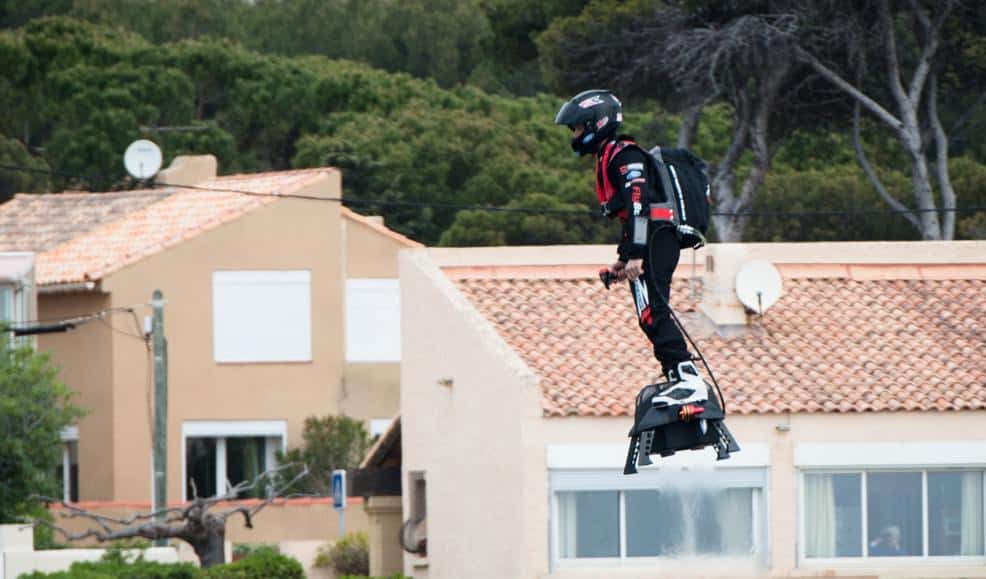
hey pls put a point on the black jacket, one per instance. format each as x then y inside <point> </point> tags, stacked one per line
<point>630,172</point>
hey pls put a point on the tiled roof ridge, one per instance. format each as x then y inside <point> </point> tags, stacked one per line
<point>236,176</point>
<point>383,229</point>
<point>849,270</point>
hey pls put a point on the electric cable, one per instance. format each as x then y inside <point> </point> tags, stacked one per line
<point>352,201</point>
<point>80,319</point>
<point>698,350</point>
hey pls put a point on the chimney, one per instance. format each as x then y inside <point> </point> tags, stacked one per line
<point>719,302</point>
<point>189,170</point>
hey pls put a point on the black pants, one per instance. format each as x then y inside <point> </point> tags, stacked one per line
<point>660,262</point>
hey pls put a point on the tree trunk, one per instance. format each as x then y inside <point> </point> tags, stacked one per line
<point>689,126</point>
<point>924,195</point>
<point>210,544</point>
<point>724,180</point>
<point>941,164</point>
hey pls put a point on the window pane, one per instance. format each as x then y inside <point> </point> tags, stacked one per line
<point>588,524</point>
<point>676,523</point>
<point>245,462</point>
<point>734,517</point>
<point>653,523</point>
<point>73,469</point>
<point>955,511</point>
<point>893,507</point>
<point>6,303</point>
<point>833,515</point>
<point>200,461</point>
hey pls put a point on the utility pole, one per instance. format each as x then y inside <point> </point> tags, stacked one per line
<point>160,346</point>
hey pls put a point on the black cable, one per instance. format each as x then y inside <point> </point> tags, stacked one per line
<point>82,319</point>
<point>539,211</point>
<point>674,316</point>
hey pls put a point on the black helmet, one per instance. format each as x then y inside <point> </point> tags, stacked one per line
<point>598,111</point>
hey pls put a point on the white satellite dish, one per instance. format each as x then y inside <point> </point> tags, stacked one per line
<point>758,285</point>
<point>142,159</point>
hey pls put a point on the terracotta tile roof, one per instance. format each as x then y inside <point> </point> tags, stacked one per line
<point>32,222</point>
<point>85,236</point>
<point>829,345</point>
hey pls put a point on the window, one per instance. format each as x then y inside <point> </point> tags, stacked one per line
<point>692,522</point>
<point>378,426</point>
<point>886,513</point>
<point>373,320</point>
<point>217,453</point>
<point>67,473</point>
<point>262,316</point>
<point>7,303</point>
<point>690,511</point>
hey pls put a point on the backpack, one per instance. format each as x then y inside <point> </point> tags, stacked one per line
<point>685,180</point>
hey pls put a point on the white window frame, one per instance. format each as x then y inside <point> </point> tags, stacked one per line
<point>863,458</point>
<point>223,429</point>
<point>68,435</point>
<point>598,467</point>
<point>358,336</point>
<point>228,351</point>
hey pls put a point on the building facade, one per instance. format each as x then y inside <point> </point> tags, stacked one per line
<point>266,304</point>
<point>859,401</point>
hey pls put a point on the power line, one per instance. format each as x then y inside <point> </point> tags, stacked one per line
<point>526,210</point>
<point>50,325</point>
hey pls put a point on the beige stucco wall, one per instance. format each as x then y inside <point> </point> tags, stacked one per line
<point>84,357</point>
<point>384,524</point>
<point>483,444</point>
<point>369,253</point>
<point>370,390</point>
<point>468,437</point>
<point>289,234</point>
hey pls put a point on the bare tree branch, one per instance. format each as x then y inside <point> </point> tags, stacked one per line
<point>272,493</point>
<point>892,60</point>
<point>833,77</point>
<point>959,123</point>
<point>874,179</point>
<point>941,162</point>
<point>931,32</point>
<point>193,522</point>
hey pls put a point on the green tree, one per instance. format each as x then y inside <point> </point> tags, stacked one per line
<point>14,153</point>
<point>34,408</point>
<point>330,442</point>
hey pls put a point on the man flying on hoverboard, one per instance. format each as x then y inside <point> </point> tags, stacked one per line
<point>649,199</point>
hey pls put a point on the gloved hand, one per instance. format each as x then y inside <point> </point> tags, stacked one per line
<point>633,269</point>
<point>618,270</point>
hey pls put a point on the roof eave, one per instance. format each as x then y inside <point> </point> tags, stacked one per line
<point>69,287</point>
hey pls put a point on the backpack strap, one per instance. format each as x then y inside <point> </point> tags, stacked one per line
<point>673,195</point>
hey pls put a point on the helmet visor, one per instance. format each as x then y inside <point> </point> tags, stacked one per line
<point>571,115</point>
